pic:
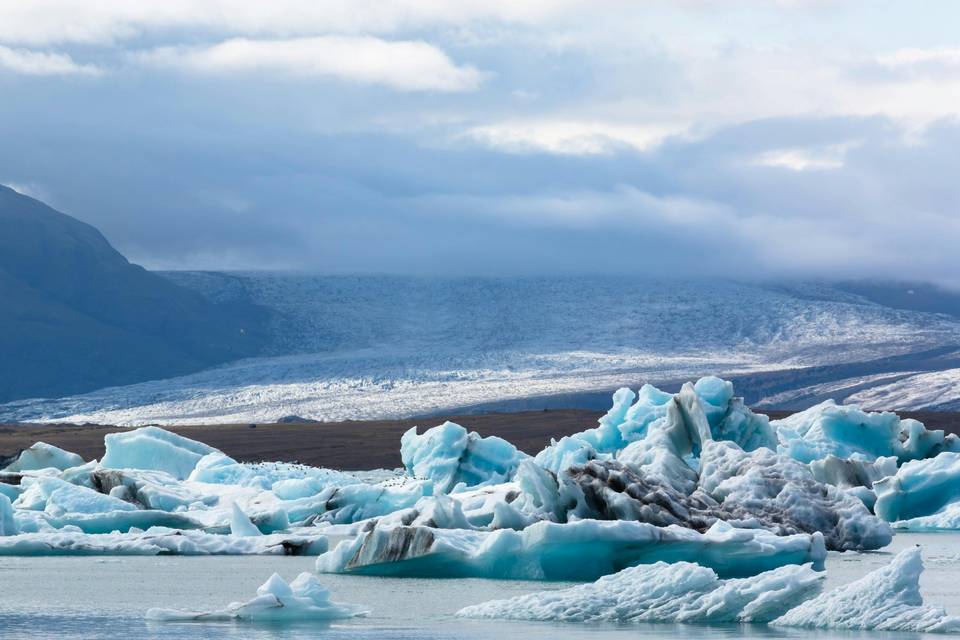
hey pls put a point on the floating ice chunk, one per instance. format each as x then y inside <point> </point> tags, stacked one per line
<point>153,449</point>
<point>947,519</point>
<point>681,592</point>
<point>56,498</point>
<point>8,526</point>
<point>672,440</point>
<point>583,550</point>
<point>567,452</point>
<point>854,476</point>
<point>149,489</point>
<point>160,541</point>
<point>781,493</point>
<point>44,456</point>
<point>448,456</point>
<point>844,431</point>
<point>218,468</point>
<point>240,524</point>
<point>730,419</point>
<point>303,599</point>
<point>352,503</point>
<point>612,491</point>
<point>919,488</point>
<point>887,599</point>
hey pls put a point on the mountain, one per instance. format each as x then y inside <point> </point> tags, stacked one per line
<point>77,316</point>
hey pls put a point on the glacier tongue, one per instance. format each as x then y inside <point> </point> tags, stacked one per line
<point>887,599</point>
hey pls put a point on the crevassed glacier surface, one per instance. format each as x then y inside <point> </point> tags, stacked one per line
<point>372,347</point>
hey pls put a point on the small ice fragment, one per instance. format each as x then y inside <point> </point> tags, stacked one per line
<point>276,601</point>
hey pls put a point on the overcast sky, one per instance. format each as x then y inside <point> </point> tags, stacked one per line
<point>734,137</point>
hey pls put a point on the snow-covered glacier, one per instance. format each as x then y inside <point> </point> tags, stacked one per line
<point>370,347</point>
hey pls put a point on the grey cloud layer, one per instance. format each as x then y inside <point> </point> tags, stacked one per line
<point>493,139</point>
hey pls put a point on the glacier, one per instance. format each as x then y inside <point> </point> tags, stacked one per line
<point>680,592</point>
<point>367,348</point>
<point>305,598</point>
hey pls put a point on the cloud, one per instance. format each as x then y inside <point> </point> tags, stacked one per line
<point>42,63</point>
<point>807,158</point>
<point>400,65</point>
<point>569,137</point>
<point>110,21</point>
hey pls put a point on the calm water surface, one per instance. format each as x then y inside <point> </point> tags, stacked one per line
<point>107,598</point>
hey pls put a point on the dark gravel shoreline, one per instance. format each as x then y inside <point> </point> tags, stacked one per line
<point>355,444</point>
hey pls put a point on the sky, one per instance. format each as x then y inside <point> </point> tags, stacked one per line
<point>735,138</point>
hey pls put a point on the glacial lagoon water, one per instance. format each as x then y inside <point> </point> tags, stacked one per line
<point>106,598</point>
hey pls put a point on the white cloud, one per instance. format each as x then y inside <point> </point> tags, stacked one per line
<point>401,65</point>
<point>106,21</point>
<point>911,57</point>
<point>807,158</point>
<point>42,63</point>
<point>570,137</point>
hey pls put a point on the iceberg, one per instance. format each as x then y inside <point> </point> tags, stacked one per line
<point>781,494</point>
<point>582,550</point>
<point>854,475</point>
<point>887,599</point>
<point>680,592</point>
<point>44,456</point>
<point>846,431</point>
<point>240,524</point>
<point>450,456</point>
<point>302,599</point>
<point>919,488</point>
<point>160,541</point>
<point>153,449</point>
<point>8,525</point>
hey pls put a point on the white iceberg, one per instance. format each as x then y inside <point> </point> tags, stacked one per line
<point>887,599</point>
<point>919,488</point>
<point>583,550</point>
<point>302,599</point>
<point>680,592</point>
<point>8,525</point>
<point>44,456</point>
<point>449,455</point>
<point>153,449</point>
<point>846,430</point>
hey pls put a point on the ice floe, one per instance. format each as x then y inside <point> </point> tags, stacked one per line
<point>305,598</point>
<point>887,599</point>
<point>680,592</point>
<point>582,550</point>
<point>44,456</point>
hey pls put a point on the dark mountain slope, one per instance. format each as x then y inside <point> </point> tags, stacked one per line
<point>75,315</point>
